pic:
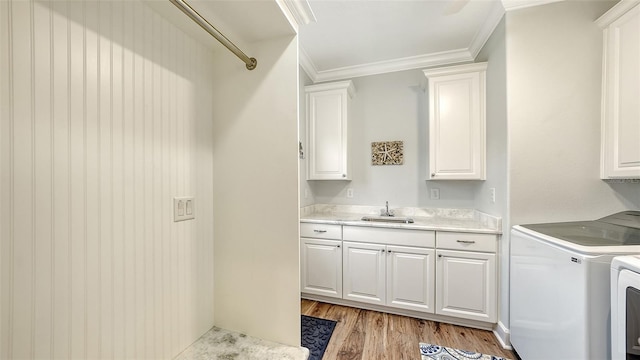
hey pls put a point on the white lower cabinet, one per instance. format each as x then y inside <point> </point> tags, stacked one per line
<point>321,259</point>
<point>395,276</point>
<point>364,272</point>
<point>321,267</point>
<point>442,273</point>
<point>466,285</point>
<point>410,278</point>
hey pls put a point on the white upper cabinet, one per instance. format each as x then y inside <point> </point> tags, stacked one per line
<point>327,127</point>
<point>620,151</point>
<point>457,122</point>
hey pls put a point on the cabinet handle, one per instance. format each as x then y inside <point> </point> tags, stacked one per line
<point>320,231</point>
<point>338,246</point>
<point>389,251</point>
<point>466,241</point>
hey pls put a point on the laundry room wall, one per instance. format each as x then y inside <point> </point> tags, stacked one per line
<point>554,76</point>
<point>255,192</point>
<point>105,116</point>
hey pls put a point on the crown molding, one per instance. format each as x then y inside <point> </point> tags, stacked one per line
<point>482,36</point>
<point>510,5</point>
<point>307,64</point>
<point>615,12</point>
<point>301,11</point>
<point>381,67</point>
<point>420,61</point>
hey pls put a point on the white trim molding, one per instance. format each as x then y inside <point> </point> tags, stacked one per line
<point>502,334</point>
<point>301,11</point>
<point>510,5</point>
<point>387,66</point>
<point>307,64</point>
<point>483,35</point>
<point>615,12</point>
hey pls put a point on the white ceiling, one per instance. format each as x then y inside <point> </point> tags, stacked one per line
<point>353,38</point>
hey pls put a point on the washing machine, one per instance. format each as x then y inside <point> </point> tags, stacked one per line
<point>560,292</point>
<point>625,308</point>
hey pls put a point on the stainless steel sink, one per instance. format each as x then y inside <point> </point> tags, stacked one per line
<point>389,219</point>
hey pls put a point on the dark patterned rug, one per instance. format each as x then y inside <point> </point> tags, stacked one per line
<point>316,334</point>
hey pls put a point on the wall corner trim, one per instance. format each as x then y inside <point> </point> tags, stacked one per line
<point>501,333</point>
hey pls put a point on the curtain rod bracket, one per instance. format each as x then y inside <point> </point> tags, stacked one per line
<point>252,64</point>
<point>198,19</point>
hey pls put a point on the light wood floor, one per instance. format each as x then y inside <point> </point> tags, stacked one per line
<point>371,335</point>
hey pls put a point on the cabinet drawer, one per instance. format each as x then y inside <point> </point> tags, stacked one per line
<point>420,238</point>
<point>321,231</point>
<point>466,241</point>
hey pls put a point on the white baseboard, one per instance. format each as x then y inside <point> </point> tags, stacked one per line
<point>502,334</point>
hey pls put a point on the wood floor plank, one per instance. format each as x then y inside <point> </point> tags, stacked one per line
<point>353,346</point>
<point>366,335</point>
<point>346,318</point>
<point>375,339</point>
<point>307,305</point>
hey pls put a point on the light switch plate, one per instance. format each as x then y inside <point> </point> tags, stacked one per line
<point>183,208</point>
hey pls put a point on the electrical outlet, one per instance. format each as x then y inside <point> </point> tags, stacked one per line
<point>434,194</point>
<point>184,208</point>
<point>349,192</point>
<point>492,195</point>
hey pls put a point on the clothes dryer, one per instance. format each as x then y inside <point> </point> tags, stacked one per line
<point>625,308</point>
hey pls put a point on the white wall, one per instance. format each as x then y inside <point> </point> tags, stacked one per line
<point>391,107</point>
<point>494,52</point>
<point>554,57</point>
<point>106,115</point>
<point>256,209</point>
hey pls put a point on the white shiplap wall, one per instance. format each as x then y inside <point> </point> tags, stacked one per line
<point>105,116</point>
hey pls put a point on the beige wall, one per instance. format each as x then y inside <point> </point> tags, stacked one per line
<point>255,198</point>
<point>554,60</point>
<point>106,115</point>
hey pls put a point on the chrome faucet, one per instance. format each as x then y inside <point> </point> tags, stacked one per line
<point>385,211</point>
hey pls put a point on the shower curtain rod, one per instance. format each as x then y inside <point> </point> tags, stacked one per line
<point>193,14</point>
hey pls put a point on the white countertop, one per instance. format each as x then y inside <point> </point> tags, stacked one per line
<point>459,220</point>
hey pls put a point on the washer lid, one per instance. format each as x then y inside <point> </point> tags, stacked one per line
<point>590,233</point>
<point>625,218</point>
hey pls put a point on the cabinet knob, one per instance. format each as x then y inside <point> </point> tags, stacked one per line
<point>344,175</point>
<point>382,251</point>
<point>439,255</point>
<point>389,251</point>
<point>433,174</point>
<point>338,246</point>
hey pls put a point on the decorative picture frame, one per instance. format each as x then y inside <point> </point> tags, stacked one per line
<point>387,153</point>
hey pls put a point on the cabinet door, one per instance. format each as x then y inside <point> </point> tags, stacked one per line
<point>321,267</point>
<point>410,278</point>
<point>457,122</point>
<point>327,126</point>
<point>364,272</point>
<point>621,91</point>
<point>466,285</point>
